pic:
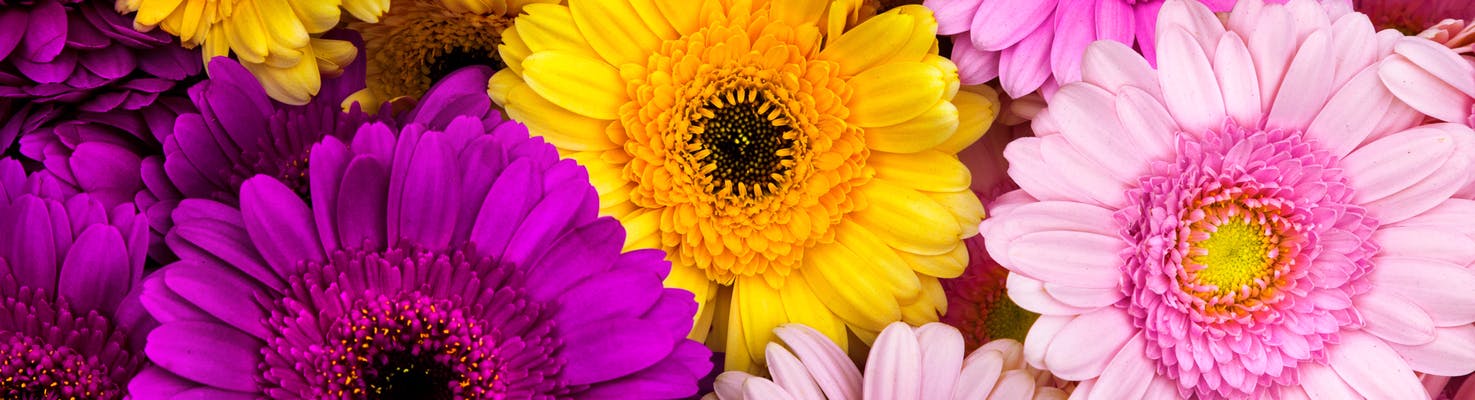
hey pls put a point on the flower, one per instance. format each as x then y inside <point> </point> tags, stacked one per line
<point>768,148</point>
<point>279,41</point>
<point>69,268</point>
<point>1262,225</point>
<point>906,363</point>
<point>420,41</point>
<point>1432,79</point>
<point>238,132</point>
<point>1412,17</point>
<point>1036,44</point>
<point>449,259</point>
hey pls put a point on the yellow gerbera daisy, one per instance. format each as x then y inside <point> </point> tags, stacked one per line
<point>419,41</point>
<point>797,164</point>
<point>277,40</point>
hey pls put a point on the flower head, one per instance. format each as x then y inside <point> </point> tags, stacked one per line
<point>279,41</point>
<point>418,42</point>
<point>1036,44</point>
<point>454,258</point>
<point>1432,78</point>
<point>69,268</point>
<point>1413,16</point>
<point>1255,226</point>
<point>906,363</point>
<point>781,148</point>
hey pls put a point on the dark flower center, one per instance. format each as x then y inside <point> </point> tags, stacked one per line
<point>406,375</point>
<point>462,57</point>
<point>47,353</point>
<point>744,143</point>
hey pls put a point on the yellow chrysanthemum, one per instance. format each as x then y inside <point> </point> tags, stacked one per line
<point>796,159</point>
<point>419,41</point>
<point>277,40</point>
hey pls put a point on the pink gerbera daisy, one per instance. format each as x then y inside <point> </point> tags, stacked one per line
<point>1432,78</point>
<point>1257,218</point>
<point>1036,44</point>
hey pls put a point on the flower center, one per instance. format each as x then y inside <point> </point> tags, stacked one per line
<point>404,349</point>
<point>47,353</point>
<point>411,376</point>
<point>743,142</point>
<point>419,42</point>
<point>1236,254</point>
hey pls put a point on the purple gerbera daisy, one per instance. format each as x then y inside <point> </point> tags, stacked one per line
<point>239,132</point>
<point>68,267</point>
<point>85,93</point>
<point>455,258</point>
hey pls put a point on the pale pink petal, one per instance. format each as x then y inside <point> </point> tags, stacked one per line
<point>1395,319</point>
<point>1112,65</point>
<point>1041,216</point>
<point>1193,17</point>
<point>1356,46</point>
<point>1235,70</point>
<point>1451,214</point>
<point>729,385</point>
<point>1029,170</point>
<point>1452,353</point>
<point>1322,383</point>
<point>894,368</point>
<point>1012,350</point>
<point>1293,393</point>
<point>1373,369</point>
<point>1087,117</point>
<point>1072,258</point>
<point>942,359</point>
<point>1272,50</point>
<point>1423,91</point>
<point>1189,88</point>
<point>1161,388</point>
<point>978,376</point>
<point>1309,16</point>
<point>1014,385</point>
<point>953,16</point>
<point>1091,177</point>
<point>975,67</point>
<point>831,369</point>
<point>1352,113</point>
<point>1030,294</point>
<point>1245,15</point>
<point>1143,116</point>
<point>1306,88</point>
<point>1435,188</point>
<point>1440,62</point>
<point>1438,244</point>
<point>1441,289</point>
<point>1083,297</point>
<point>1129,374</point>
<point>999,24</point>
<point>1037,341</point>
<point>1026,65</point>
<point>1384,167</point>
<point>759,388</point>
<point>1077,17</point>
<point>1083,347</point>
<point>789,373</point>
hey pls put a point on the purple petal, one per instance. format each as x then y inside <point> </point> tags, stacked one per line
<point>375,139</point>
<point>461,93</point>
<point>166,306</point>
<point>673,312</point>
<point>55,70</point>
<point>46,35</point>
<point>95,275</point>
<point>170,62</point>
<point>185,176</point>
<point>198,144</point>
<point>610,349</point>
<point>216,229</point>
<point>506,204</point>
<point>279,224</point>
<point>328,159</point>
<point>427,214</point>
<point>206,352</point>
<point>156,383</point>
<point>14,23</point>
<point>107,171</point>
<point>31,248</point>
<point>222,293</point>
<point>549,219</point>
<point>584,252</point>
<point>82,35</point>
<point>591,301</point>
<point>239,103</point>
<point>666,380</point>
<point>360,209</point>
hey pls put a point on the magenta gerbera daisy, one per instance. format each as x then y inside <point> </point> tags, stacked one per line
<point>451,258</point>
<point>1247,221</point>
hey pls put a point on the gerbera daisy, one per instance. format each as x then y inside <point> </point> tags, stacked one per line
<point>1259,224</point>
<point>768,147</point>
<point>460,262</point>
<point>1413,16</point>
<point>277,40</point>
<point>1036,44</point>
<point>1432,78</point>
<point>69,267</point>
<point>418,42</point>
<point>906,363</point>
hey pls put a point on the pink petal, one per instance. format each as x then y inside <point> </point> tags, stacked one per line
<point>1037,341</point>
<point>953,16</point>
<point>1014,385</point>
<point>942,359</point>
<point>1082,297</point>
<point>1082,349</point>
<point>1452,353</point>
<point>1074,20</point>
<point>1384,167</point>
<point>1357,45</point>
<point>1073,258</point>
<point>759,388</point>
<point>1272,50</point>
<point>1129,374</point>
<point>1112,65</point>
<point>1145,18</point>
<point>975,66</point>
<point>1306,88</point>
<point>1236,72</point>
<point>999,24</point>
<point>1351,115</point>
<point>1115,21</point>
<point>1144,116</point>
<point>894,368</point>
<point>1030,294</point>
<point>1189,88</point>
<point>1193,17</point>
<point>1026,65</point>
<point>1433,189</point>
<point>1320,382</point>
<point>1395,319</point>
<point>1440,62</point>
<point>1415,241</point>
<point>788,372</point>
<point>1042,216</point>
<point>1087,117</point>
<point>1038,178</point>
<point>1439,288</point>
<point>1372,368</point>
<point>831,369</point>
<point>729,385</point>
<point>978,375</point>
<point>1077,170</point>
<point>1423,91</point>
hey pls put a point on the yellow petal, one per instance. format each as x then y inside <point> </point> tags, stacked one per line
<point>216,45</point>
<point>931,171</point>
<point>366,99</point>
<point>152,12</point>
<point>640,225</point>
<point>366,10</point>
<point>934,127</point>
<point>932,304</point>
<point>551,27</point>
<point>738,358</point>
<point>294,86</point>
<point>614,30</point>
<point>333,55</point>
<point>247,34</point>
<point>282,23</point>
<point>513,50</point>
<point>798,12</point>
<point>946,265</point>
<point>861,301</point>
<point>686,16</point>
<point>577,83</point>
<point>908,220</point>
<point>878,261</point>
<point>501,85</point>
<point>317,16</point>
<point>761,310</point>
<point>977,109</point>
<point>607,179</point>
<point>561,127</point>
<point>891,36</point>
<point>651,15</point>
<point>803,307</point>
<point>895,92</point>
<point>964,206</point>
<point>695,281</point>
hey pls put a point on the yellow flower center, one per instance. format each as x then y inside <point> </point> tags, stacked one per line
<point>421,41</point>
<point>1237,254</point>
